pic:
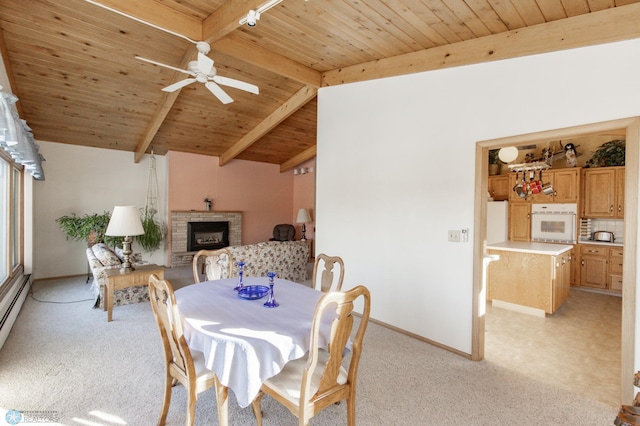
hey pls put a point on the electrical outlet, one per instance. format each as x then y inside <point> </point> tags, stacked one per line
<point>454,235</point>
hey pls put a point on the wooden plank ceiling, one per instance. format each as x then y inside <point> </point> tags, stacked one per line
<point>72,63</point>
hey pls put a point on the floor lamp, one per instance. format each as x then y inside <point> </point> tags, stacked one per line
<point>125,222</point>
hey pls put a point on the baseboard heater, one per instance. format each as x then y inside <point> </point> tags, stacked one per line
<point>9,309</point>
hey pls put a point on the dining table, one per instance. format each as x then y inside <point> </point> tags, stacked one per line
<point>243,341</point>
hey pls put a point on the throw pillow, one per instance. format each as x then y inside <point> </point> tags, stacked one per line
<point>105,255</point>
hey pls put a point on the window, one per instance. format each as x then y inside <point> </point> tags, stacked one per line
<point>5,236</point>
<point>16,218</point>
<point>10,218</point>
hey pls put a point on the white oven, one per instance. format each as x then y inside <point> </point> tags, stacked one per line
<point>554,223</point>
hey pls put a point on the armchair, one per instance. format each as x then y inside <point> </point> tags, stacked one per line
<point>283,232</point>
<point>101,257</point>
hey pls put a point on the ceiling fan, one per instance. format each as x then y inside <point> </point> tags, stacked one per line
<point>203,71</point>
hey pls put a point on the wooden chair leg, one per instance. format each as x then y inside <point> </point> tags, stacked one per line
<point>222,397</point>
<point>351,409</point>
<point>166,400</point>
<point>257,411</point>
<point>192,397</point>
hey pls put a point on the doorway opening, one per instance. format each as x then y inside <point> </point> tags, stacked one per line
<point>630,129</point>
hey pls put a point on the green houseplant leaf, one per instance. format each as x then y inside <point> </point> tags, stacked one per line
<point>88,228</point>
<point>154,232</point>
<point>608,154</point>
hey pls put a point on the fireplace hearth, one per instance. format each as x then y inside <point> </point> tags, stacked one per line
<point>207,235</point>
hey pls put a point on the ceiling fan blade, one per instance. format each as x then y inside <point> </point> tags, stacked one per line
<point>205,63</point>
<point>164,65</point>
<point>226,81</point>
<point>179,85</point>
<point>217,90</point>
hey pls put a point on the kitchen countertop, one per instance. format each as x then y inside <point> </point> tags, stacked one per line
<point>532,247</point>
<point>601,243</point>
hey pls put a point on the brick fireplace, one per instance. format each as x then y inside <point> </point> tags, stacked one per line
<point>180,256</point>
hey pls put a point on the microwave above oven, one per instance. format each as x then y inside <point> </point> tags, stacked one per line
<point>554,223</point>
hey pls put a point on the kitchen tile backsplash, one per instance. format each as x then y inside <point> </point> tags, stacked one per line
<point>612,225</point>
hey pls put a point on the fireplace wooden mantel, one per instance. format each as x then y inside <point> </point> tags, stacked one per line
<point>179,220</point>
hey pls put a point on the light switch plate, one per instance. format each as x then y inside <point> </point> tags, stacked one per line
<point>454,236</point>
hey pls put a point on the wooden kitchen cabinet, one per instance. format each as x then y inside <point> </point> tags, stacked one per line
<point>529,278</point>
<point>565,183</point>
<point>603,192</point>
<point>511,182</point>
<point>498,187</point>
<point>620,177</point>
<point>520,222</point>
<point>562,280</point>
<point>615,268</point>
<point>594,266</point>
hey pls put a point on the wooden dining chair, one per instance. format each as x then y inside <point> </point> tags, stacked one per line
<point>215,264</point>
<point>309,384</point>
<point>182,364</point>
<point>324,278</point>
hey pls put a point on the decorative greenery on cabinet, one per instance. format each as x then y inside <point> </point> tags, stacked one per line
<point>608,154</point>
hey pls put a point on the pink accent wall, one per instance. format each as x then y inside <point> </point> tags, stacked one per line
<point>258,190</point>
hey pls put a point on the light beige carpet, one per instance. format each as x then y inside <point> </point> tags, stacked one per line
<point>64,357</point>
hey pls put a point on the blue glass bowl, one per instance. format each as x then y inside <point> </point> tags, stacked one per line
<point>253,292</point>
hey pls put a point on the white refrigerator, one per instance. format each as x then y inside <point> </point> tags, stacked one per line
<point>497,221</point>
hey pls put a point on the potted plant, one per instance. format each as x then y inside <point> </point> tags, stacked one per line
<point>608,154</point>
<point>154,231</point>
<point>88,228</point>
<point>494,162</point>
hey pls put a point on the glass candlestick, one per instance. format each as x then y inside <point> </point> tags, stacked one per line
<point>271,302</point>
<point>240,266</point>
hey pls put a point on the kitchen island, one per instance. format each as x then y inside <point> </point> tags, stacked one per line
<point>529,277</point>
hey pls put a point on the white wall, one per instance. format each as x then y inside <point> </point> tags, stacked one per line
<point>395,169</point>
<point>86,180</point>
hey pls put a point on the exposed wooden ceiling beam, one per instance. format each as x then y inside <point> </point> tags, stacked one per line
<point>266,59</point>
<point>158,14</point>
<point>294,103</point>
<point>225,19</point>
<point>614,24</point>
<point>305,155</point>
<point>164,106</point>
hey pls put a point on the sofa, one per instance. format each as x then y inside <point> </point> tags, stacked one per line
<point>101,257</point>
<point>287,258</point>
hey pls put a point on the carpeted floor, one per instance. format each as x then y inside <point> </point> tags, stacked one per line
<point>62,356</point>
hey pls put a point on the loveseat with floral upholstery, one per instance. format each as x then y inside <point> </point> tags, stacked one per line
<point>101,257</point>
<point>287,258</point>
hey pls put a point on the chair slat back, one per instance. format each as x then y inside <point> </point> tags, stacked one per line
<point>163,303</point>
<point>327,280</point>
<point>217,264</point>
<point>342,304</point>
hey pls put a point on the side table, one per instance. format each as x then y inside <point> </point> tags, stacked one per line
<point>116,280</point>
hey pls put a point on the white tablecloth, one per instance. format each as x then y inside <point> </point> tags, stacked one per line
<point>243,341</point>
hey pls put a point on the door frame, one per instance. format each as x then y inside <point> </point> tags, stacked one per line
<point>631,126</point>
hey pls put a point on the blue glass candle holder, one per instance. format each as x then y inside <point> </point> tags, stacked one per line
<point>240,271</point>
<point>271,302</point>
